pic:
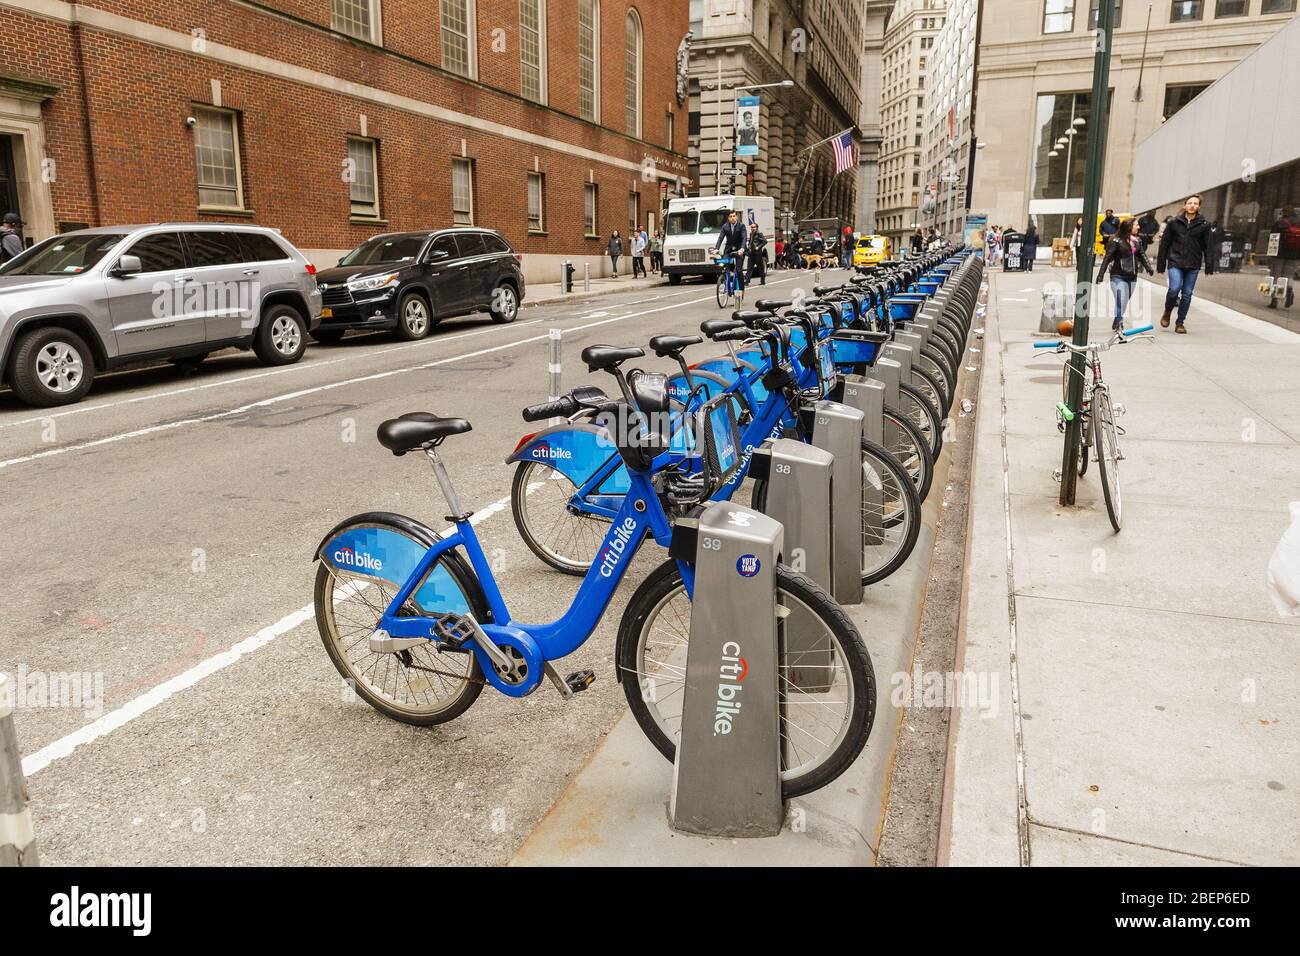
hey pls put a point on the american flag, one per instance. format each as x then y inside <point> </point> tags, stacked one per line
<point>844,158</point>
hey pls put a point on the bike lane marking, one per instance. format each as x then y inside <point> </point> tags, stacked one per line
<point>300,393</point>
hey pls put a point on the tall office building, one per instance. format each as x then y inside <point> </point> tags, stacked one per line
<point>947,142</point>
<point>739,44</point>
<point>1035,61</point>
<point>910,33</point>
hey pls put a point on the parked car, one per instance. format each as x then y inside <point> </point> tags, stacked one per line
<point>97,299</point>
<point>410,281</point>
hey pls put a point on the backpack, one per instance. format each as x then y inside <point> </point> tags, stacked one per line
<point>1289,244</point>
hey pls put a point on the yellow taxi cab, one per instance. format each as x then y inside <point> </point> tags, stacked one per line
<point>870,251</point>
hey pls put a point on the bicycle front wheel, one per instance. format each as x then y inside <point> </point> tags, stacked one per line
<point>826,682</point>
<point>909,447</point>
<point>541,500</point>
<point>722,292</point>
<point>1106,439</point>
<point>913,404</point>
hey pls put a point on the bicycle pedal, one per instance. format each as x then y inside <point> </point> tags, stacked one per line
<point>579,681</point>
<point>454,630</point>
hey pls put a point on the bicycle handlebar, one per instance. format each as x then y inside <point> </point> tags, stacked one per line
<point>562,407</point>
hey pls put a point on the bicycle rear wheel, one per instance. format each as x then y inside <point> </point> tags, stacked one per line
<point>1104,436</point>
<point>828,694</point>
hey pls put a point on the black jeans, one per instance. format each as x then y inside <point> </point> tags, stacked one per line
<point>638,265</point>
<point>613,261</point>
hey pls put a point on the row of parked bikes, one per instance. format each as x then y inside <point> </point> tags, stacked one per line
<point>416,622</point>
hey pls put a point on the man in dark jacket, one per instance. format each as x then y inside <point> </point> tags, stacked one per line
<point>11,239</point>
<point>1147,228</point>
<point>1184,246</point>
<point>1109,225</point>
<point>1287,259</point>
<point>918,242</point>
<point>732,240</point>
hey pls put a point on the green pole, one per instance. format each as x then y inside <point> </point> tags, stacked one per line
<point>1097,123</point>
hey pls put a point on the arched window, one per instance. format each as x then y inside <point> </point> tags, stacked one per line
<point>632,74</point>
<point>589,59</point>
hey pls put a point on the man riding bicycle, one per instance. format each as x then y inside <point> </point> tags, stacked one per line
<point>732,240</point>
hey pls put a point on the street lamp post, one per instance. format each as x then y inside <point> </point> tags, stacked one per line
<point>1083,277</point>
<point>735,119</point>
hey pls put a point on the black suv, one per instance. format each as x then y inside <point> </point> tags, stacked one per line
<point>411,281</point>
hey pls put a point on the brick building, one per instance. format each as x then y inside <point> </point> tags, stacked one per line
<point>555,121</point>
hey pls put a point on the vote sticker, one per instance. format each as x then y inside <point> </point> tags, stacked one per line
<point>747,566</point>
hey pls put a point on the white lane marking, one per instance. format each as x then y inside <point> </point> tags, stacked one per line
<point>289,396</point>
<point>138,706</point>
<point>297,367</point>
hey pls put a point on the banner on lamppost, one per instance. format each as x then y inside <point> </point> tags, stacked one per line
<point>748,117</point>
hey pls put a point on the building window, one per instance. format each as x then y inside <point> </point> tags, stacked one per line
<point>1096,8</point>
<point>216,156</point>
<point>462,191</point>
<point>589,59</point>
<point>532,49</point>
<point>536,202</point>
<point>632,74</point>
<point>1176,97</point>
<point>1231,8</point>
<point>1183,10</point>
<point>1278,6</point>
<point>589,209</point>
<point>458,37</point>
<point>633,211</point>
<point>356,18</point>
<point>364,186</point>
<point>1058,16</point>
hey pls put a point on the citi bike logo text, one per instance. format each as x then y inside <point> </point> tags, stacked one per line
<point>617,546</point>
<point>238,298</point>
<point>548,452</point>
<point>357,559</point>
<point>731,676</point>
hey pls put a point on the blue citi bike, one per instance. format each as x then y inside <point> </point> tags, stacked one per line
<point>414,620</point>
<point>729,291</point>
<point>569,484</point>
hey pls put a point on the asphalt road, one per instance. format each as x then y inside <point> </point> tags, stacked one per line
<point>159,548</point>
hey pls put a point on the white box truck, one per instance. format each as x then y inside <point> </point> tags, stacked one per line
<point>691,231</point>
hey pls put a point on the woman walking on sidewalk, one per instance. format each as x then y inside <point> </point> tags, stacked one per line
<point>615,250</point>
<point>1029,249</point>
<point>638,254</point>
<point>1124,254</point>
<point>657,252</point>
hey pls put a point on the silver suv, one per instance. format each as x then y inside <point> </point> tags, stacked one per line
<point>97,299</point>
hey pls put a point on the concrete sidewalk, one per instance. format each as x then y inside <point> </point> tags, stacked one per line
<point>1148,709</point>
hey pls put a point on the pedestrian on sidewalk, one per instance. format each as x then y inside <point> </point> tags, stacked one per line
<point>1109,225</point>
<point>657,252</point>
<point>1147,228</point>
<point>1029,249</point>
<point>918,242</point>
<point>615,250</point>
<point>11,239</point>
<point>757,254</point>
<point>780,252</point>
<point>1184,246</point>
<point>1076,241</point>
<point>1124,254</point>
<point>994,239</point>
<point>1287,259</point>
<point>638,254</point>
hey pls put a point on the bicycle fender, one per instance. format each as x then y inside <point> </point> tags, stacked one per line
<point>574,449</point>
<point>375,545</point>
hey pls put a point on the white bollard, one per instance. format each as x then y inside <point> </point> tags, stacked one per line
<point>586,277</point>
<point>17,836</point>
<point>553,368</point>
